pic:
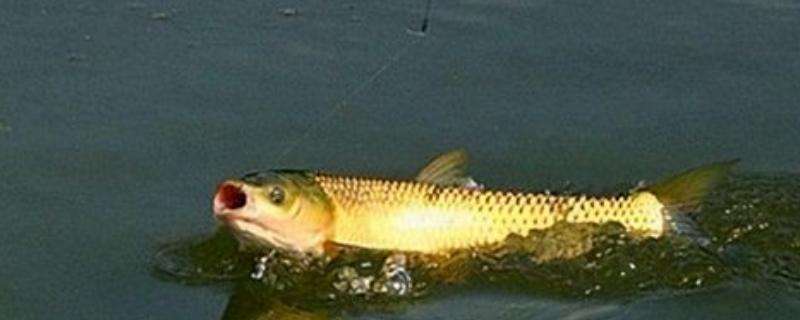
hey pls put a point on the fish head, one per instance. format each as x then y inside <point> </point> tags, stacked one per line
<point>286,209</point>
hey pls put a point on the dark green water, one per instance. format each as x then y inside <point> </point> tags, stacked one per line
<point>118,118</point>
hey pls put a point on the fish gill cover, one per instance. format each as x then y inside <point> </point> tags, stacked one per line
<point>752,224</point>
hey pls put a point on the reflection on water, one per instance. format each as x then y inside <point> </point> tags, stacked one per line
<point>752,223</point>
<point>246,304</point>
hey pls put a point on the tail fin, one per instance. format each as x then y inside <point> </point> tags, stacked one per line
<point>685,192</point>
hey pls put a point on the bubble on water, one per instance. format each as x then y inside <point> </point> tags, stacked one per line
<point>261,266</point>
<point>351,282</point>
<point>160,16</point>
<point>344,276</point>
<point>398,283</point>
<point>361,285</point>
<point>396,279</point>
<point>288,12</point>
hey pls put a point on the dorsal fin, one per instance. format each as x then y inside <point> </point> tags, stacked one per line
<point>447,170</point>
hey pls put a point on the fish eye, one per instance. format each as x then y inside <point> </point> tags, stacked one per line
<point>277,195</point>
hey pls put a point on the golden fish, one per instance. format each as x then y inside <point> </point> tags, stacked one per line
<point>441,210</point>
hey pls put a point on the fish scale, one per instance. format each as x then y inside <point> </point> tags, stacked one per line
<point>423,217</point>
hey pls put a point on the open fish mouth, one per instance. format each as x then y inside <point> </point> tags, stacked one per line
<point>230,206</point>
<point>228,199</point>
<point>230,202</point>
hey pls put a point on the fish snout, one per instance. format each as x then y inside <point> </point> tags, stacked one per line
<point>228,198</point>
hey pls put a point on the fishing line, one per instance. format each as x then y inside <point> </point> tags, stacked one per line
<point>418,35</point>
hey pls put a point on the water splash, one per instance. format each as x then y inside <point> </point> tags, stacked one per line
<point>756,228</point>
<point>392,280</point>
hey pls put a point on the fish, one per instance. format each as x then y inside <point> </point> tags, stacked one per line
<point>441,210</point>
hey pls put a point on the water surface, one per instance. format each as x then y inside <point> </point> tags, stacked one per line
<point>119,118</point>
